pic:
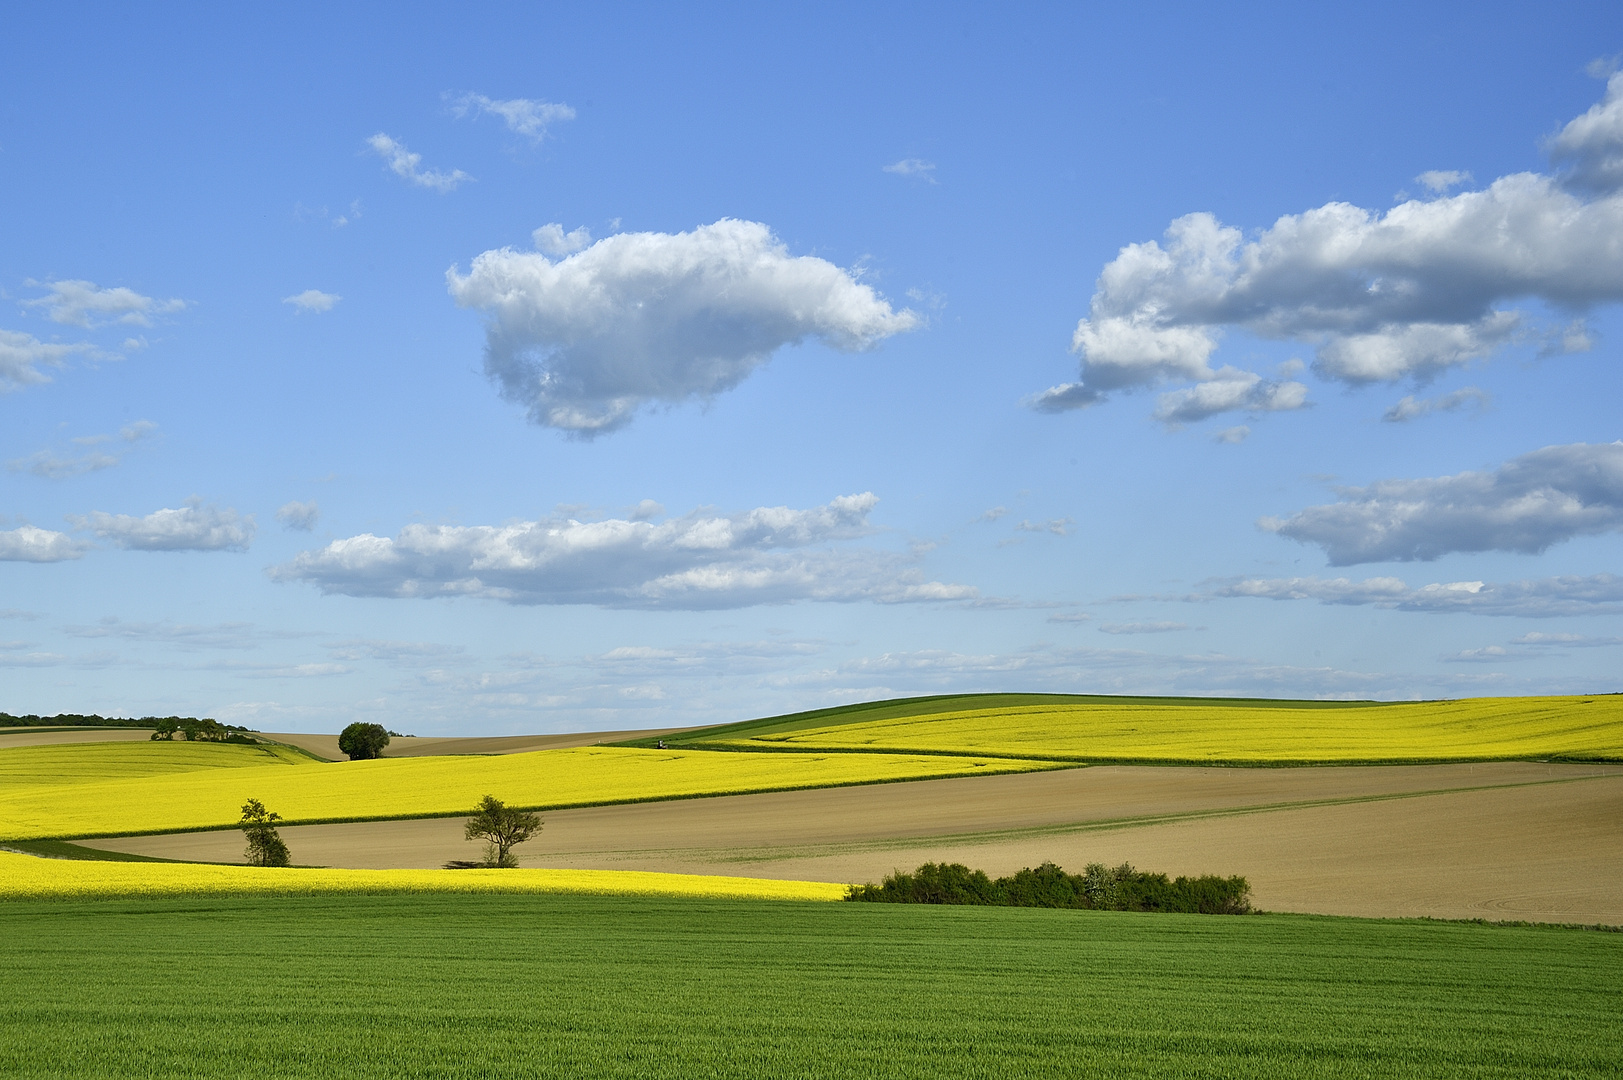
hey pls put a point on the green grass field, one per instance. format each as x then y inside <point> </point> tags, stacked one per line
<point>637,987</point>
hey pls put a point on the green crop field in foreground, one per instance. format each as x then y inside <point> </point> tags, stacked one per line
<point>634,987</point>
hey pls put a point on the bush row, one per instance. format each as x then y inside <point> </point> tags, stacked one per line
<point>92,720</point>
<point>1098,887</point>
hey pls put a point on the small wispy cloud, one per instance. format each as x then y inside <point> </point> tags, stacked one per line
<point>1057,526</point>
<point>100,452</point>
<point>523,116</point>
<point>1142,627</point>
<point>299,515</point>
<point>1412,408</point>
<point>912,168</point>
<point>1438,181</point>
<point>406,165</point>
<point>22,356</point>
<point>313,300</point>
<point>86,304</point>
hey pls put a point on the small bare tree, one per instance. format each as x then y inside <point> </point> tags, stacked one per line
<point>265,846</point>
<point>501,827</point>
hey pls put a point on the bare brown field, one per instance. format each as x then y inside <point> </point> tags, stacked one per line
<point>1500,841</point>
<point>46,737</point>
<point>326,746</point>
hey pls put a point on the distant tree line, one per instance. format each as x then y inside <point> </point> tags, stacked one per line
<point>198,731</point>
<point>176,723</point>
<point>1098,887</point>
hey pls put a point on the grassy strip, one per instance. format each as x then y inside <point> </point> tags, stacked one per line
<point>510,986</point>
<point>60,849</point>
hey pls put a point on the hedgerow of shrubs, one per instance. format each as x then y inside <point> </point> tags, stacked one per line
<point>191,728</point>
<point>1097,888</point>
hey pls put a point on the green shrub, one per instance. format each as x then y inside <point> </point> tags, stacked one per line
<point>1098,888</point>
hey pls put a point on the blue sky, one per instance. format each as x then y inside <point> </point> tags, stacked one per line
<point>522,369</point>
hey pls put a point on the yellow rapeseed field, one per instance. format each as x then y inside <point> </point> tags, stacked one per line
<point>24,877</point>
<point>78,763</point>
<point>428,786</point>
<point>1480,728</point>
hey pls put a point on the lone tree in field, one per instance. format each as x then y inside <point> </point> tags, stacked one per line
<point>501,827</point>
<point>363,741</point>
<point>265,846</point>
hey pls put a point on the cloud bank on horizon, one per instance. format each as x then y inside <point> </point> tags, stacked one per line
<point>1380,297</point>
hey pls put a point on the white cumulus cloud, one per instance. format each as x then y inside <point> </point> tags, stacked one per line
<point>405,164</point>
<point>636,318</point>
<point>1589,150</point>
<point>193,527</point>
<point>84,303</point>
<point>700,560</point>
<point>28,544</point>
<point>313,300</point>
<point>1525,505</point>
<point>1425,286</point>
<point>524,116</point>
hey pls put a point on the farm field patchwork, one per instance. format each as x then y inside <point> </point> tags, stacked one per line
<point>507,986</point>
<point>430,786</point>
<point>1200,730</point>
<point>1497,840</point>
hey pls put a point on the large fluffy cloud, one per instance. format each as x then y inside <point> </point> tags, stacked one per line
<point>1381,296</point>
<point>701,560</point>
<point>1525,505</point>
<point>193,527</point>
<point>584,341</point>
<point>1599,594</point>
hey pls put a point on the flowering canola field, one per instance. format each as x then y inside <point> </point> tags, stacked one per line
<point>431,786</point>
<point>1206,731</point>
<point>25,877</point>
<point>78,763</point>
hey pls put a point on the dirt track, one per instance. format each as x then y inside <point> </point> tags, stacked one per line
<point>1502,841</point>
